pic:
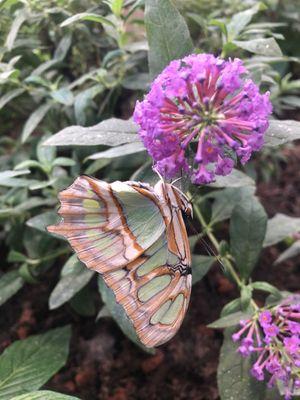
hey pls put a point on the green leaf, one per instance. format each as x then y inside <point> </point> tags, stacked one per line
<point>17,183</point>
<point>137,82</point>
<point>119,315</point>
<point>292,251</point>
<point>200,266</point>
<point>12,94</point>
<point>246,296</point>
<point>41,221</point>
<point>281,132</point>
<point>111,132</point>
<point>240,20</point>
<point>34,202</point>
<point>266,287</point>
<point>119,151</point>
<point>45,155</point>
<point>16,256</point>
<point>234,379</point>
<point>35,118</point>
<point>280,227</point>
<point>42,184</point>
<point>97,166</point>
<point>272,300</point>
<point>63,96</point>
<point>225,201</point>
<point>28,164</point>
<point>4,175</point>
<point>83,99</point>
<point>167,33</point>
<point>59,55</point>
<point>26,273</point>
<point>265,47</point>
<point>220,24</point>
<point>18,21</point>
<point>83,302</point>
<point>44,395</point>
<point>235,179</point>
<point>230,320</point>
<point>231,307</point>
<point>116,6</point>
<point>10,284</point>
<point>86,17</point>
<point>64,162</point>
<point>70,283</point>
<point>28,364</point>
<point>247,232</point>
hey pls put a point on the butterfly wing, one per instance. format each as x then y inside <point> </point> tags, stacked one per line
<point>108,225</point>
<point>155,288</point>
<point>138,245</point>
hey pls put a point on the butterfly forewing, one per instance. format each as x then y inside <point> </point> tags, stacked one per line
<point>138,242</point>
<point>107,225</point>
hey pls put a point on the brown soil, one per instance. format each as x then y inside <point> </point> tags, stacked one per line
<point>105,365</point>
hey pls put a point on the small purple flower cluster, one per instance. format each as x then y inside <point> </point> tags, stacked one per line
<point>207,100</point>
<point>273,335</point>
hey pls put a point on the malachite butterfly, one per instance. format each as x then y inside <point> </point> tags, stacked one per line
<point>134,236</point>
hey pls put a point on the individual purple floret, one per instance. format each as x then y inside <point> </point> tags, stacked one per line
<point>200,114</point>
<point>273,338</point>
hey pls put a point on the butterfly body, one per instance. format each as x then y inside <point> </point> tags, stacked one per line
<point>134,236</point>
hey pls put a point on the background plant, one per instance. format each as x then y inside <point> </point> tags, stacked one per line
<point>78,63</point>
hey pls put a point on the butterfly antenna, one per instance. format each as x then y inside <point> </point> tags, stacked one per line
<point>176,180</point>
<point>207,247</point>
<point>212,253</point>
<point>157,172</point>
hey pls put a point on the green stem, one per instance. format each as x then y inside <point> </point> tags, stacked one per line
<point>213,239</point>
<point>206,227</point>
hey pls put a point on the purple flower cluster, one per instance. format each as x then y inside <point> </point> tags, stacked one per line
<point>207,100</point>
<point>273,335</point>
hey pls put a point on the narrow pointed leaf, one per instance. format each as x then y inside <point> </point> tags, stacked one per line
<point>87,17</point>
<point>230,320</point>
<point>111,132</point>
<point>35,118</point>
<point>292,251</point>
<point>18,21</point>
<point>12,94</point>
<point>280,227</point>
<point>119,151</point>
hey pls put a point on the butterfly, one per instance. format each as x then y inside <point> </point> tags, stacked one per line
<point>134,235</point>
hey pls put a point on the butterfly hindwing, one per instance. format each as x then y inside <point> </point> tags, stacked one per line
<point>138,242</point>
<point>154,290</point>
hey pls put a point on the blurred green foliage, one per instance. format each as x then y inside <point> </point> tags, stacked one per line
<point>81,62</point>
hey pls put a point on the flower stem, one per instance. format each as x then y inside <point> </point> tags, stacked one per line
<point>224,260</point>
